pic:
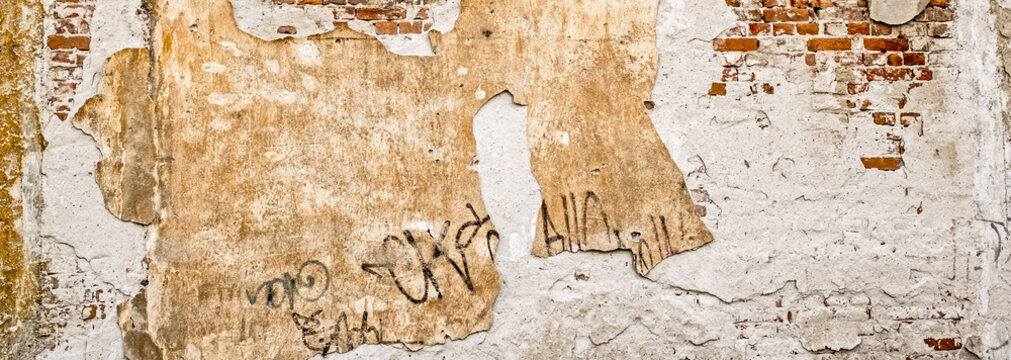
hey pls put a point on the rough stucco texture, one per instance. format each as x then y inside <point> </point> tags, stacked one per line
<point>20,28</point>
<point>309,191</point>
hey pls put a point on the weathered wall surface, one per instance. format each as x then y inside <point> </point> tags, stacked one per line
<point>852,175</point>
<point>20,29</point>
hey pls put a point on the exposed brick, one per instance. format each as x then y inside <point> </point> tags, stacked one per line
<point>828,44</point>
<point>69,42</point>
<point>718,89</point>
<point>381,13</point>
<point>748,14</point>
<point>422,14</point>
<point>759,28</point>
<point>858,28</point>
<point>880,29</point>
<point>887,163</point>
<point>938,30</point>
<point>894,60</point>
<point>888,74</point>
<point>747,44</point>
<point>885,44</point>
<point>881,118</point>
<point>856,88</point>
<point>778,15</point>
<point>807,29</point>
<point>410,27</point>
<point>74,26</point>
<point>782,29</point>
<point>386,28</point>
<point>946,344</point>
<point>936,14</point>
<point>914,59</point>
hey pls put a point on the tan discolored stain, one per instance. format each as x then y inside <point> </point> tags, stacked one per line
<point>297,220</point>
<point>20,36</point>
<point>120,120</point>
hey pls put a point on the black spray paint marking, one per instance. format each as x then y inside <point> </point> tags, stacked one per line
<point>286,288</point>
<point>397,250</point>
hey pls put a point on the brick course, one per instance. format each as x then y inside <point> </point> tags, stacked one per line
<point>386,17</point>
<point>836,38</point>
<point>68,44</point>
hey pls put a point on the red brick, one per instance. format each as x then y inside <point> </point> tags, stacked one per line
<point>894,60</point>
<point>381,13</point>
<point>888,74</point>
<point>821,4</point>
<point>729,74</point>
<point>858,28</point>
<point>945,344</point>
<point>747,44</point>
<point>748,14</point>
<point>422,14</point>
<point>386,28</point>
<point>759,28</point>
<point>881,44</point>
<point>828,44</point>
<point>409,27</point>
<point>807,29</point>
<point>856,88</point>
<point>781,15</point>
<point>69,42</point>
<point>810,59</point>
<point>73,26</point>
<point>914,59</point>
<point>881,118</point>
<point>888,163</point>
<point>782,29</point>
<point>718,89</point>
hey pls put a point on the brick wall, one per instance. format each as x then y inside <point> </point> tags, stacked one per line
<point>68,43</point>
<point>837,40</point>
<point>386,17</point>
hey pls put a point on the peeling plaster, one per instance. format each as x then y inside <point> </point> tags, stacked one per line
<point>896,12</point>
<point>799,231</point>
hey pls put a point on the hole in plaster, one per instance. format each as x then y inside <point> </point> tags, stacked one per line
<point>508,188</point>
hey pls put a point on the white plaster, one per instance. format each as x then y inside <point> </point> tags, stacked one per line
<point>75,229</point>
<point>896,12</point>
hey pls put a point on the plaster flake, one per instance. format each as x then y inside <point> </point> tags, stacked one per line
<point>896,12</point>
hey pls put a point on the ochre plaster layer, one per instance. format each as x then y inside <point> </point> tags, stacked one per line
<point>20,36</point>
<point>313,195</point>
